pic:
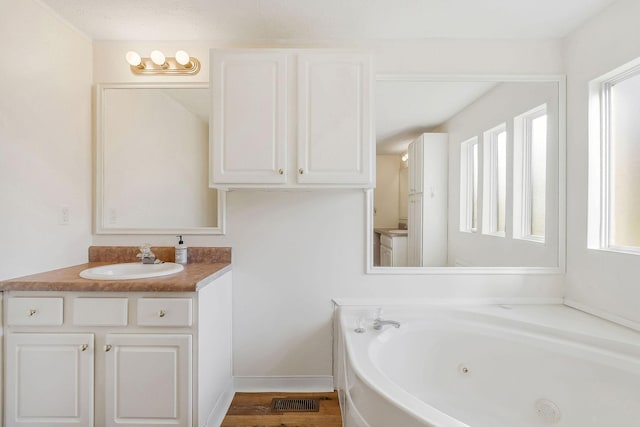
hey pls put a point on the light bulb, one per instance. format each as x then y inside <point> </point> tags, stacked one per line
<point>133,58</point>
<point>183,58</point>
<point>157,57</point>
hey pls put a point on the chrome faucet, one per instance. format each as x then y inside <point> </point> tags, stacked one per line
<point>146,256</point>
<point>378,322</point>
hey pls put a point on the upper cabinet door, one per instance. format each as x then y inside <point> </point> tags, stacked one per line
<point>334,118</point>
<point>249,126</point>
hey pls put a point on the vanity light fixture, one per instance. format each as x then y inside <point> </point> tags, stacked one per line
<point>157,63</point>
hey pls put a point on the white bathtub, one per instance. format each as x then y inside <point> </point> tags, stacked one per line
<point>487,366</point>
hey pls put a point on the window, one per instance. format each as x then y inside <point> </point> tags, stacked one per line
<point>614,160</point>
<point>494,180</point>
<point>469,185</point>
<point>530,174</point>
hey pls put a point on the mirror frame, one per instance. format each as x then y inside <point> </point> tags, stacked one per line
<point>562,198</point>
<point>98,204</point>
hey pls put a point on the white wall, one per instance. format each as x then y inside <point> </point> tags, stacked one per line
<point>294,251</point>
<point>386,196</point>
<point>45,140</point>
<point>500,105</point>
<point>604,281</point>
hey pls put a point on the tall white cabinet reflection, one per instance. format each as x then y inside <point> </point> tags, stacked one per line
<point>291,117</point>
<point>427,212</point>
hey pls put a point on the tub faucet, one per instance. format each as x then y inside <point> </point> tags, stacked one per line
<point>378,322</point>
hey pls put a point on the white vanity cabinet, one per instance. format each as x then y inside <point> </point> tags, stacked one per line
<point>291,118</point>
<point>110,359</point>
<point>393,250</point>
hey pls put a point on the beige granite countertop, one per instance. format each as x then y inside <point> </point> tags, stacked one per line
<point>203,263</point>
<point>391,231</point>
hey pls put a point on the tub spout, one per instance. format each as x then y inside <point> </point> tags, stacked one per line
<point>378,323</point>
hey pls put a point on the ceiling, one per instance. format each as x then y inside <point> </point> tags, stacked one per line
<point>348,20</point>
<point>403,110</point>
<point>407,109</point>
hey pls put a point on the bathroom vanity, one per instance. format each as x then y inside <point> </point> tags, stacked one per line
<point>391,245</point>
<point>81,352</point>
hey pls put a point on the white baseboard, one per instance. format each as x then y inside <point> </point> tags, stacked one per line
<point>290,384</point>
<point>222,406</point>
<point>603,314</point>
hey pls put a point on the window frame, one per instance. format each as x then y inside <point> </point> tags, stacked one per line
<point>600,167</point>
<point>522,176</point>
<point>490,180</point>
<point>467,172</point>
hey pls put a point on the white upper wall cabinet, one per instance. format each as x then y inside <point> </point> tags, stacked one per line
<point>314,104</point>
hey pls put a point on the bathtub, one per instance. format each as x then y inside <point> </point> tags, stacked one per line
<point>486,366</point>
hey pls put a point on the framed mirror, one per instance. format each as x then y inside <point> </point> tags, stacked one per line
<point>470,175</point>
<point>152,156</point>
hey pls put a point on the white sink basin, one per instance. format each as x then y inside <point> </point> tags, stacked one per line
<point>131,270</point>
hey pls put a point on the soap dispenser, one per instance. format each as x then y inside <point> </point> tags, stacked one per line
<point>181,251</point>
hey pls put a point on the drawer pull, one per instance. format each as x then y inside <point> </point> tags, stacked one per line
<point>32,312</point>
<point>162,313</point>
<point>281,172</point>
<point>84,347</point>
<point>301,171</point>
<point>107,347</point>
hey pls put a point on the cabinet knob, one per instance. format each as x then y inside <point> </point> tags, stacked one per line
<point>107,347</point>
<point>300,171</point>
<point>162,313</point>
<point>84,347</point>
<point>32,312</point>
<point>281,171</point>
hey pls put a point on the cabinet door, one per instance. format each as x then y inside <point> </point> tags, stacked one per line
<point>416,156</point>
<point>334,118</point>
<point>386,256</point>
<point>414,236</point>
<point>248,132</point>
<point>49,380</point>
<point>399,255</point>
<point>148,380</point>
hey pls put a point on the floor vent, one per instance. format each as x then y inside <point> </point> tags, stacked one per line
<point>294,405</point>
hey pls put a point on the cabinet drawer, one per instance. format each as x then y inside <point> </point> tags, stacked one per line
<point>29,311</point>
<point>100,311</point>
<point>386,241</point>
<point>165,312</point>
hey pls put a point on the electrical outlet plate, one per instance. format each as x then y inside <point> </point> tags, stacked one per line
<point>65,216</point>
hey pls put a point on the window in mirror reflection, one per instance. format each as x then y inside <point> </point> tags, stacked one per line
<point>494,180</point>
<point>469,175</point>
<point>530,145</point>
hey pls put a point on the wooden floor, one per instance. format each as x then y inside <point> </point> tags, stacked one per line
<point>254,410</point>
